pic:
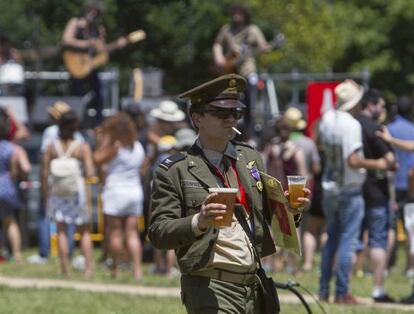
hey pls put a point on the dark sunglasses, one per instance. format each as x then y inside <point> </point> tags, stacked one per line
<point>237,113</point>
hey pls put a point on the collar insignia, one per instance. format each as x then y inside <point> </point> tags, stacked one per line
<point>250,164</point>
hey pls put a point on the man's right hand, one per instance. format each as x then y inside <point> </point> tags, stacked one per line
<point>210,212</point>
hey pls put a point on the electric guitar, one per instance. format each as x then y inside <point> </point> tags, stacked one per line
<point>81,63</point>
<point>235,59</point>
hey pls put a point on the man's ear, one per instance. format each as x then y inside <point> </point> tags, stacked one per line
<point>195,119</point>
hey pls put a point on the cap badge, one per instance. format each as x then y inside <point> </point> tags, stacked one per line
<point>232,86</point>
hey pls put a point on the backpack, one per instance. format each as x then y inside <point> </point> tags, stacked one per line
<point>65,171</point>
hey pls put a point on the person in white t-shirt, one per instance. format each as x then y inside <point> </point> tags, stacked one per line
<point>344,173</point>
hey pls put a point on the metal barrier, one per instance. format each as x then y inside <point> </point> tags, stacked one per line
<point>109,80</point>
<point>268,103</point>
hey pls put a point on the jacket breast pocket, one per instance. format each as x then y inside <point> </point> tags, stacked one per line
<point>257,196</point>
<point>193,199</point>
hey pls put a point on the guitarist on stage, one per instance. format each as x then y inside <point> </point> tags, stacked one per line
<point>234,49</point>
<point>87,34</point>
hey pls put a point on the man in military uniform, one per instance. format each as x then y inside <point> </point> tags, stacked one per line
<point>218,265</point>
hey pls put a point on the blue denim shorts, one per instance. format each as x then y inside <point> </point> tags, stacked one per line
<point>377,224</point>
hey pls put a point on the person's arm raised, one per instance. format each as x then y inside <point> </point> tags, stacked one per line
<point>401,144</point>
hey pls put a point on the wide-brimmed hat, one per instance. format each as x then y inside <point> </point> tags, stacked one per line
<point>58,108</point>
<point>348,94</point>
<point>294,118</point>
<point>185,138</point>
<point>168,111</point>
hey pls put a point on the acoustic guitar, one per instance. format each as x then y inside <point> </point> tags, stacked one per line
<point>80,63</point>
<point>235,59</point>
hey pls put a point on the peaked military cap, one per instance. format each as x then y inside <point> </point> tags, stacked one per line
<point>223,92</point>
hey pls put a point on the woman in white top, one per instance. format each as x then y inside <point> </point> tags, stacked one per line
<point>121,155</point>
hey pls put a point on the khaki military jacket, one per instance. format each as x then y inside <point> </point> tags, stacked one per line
<point>180,186</point>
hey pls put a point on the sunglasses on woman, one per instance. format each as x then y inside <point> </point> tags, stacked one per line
<point>221,113</point>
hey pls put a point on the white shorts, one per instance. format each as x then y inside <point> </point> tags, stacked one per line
<point>122,201</point>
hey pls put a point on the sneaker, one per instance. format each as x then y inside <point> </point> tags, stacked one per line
<point>78,263</point>
<point>324,298</point>
<point>409,273</point>
<point>346,299</point>
<point>385,298</point>
<point>37,259</point>
<point>173,273</point>
<point>408,300</point>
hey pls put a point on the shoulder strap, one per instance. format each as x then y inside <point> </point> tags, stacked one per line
<point>71,148</point>
<point>58,147</point>
<point>171,160</point>
<point>242,144</point>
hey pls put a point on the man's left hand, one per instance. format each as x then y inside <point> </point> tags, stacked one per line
<point>304,202</point>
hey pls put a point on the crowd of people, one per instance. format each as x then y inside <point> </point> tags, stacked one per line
<point>157,165</point>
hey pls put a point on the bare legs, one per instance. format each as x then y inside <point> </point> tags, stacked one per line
<point>13,233</point>
<point>120,227</point>
<point>315,232</point>
<point>378,257</point>
<point>134,245</point>
<point>63,248</point>
<point>86,247</point>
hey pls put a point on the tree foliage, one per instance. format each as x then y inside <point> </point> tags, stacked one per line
<point>341,35</point>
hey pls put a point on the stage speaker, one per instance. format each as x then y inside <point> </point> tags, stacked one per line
<point>40,116</point>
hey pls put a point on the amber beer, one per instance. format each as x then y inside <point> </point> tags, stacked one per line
<point>295,186</point>
<point>226,196</point>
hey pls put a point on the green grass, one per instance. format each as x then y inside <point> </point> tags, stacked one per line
<point>66,301</point>
<point>48,301</point>
<point>51,270</point>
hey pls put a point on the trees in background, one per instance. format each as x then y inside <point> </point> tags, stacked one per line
<point>322,35</point>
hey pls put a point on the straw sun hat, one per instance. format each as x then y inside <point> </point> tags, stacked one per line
<point>58,108</point>
<point>168,111</point>
<point>348,94</point>
<point>293,117</point>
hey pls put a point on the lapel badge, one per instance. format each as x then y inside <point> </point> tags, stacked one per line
<point>250,164</point>
<point>259,185</point>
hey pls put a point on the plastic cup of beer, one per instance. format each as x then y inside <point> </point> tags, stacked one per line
<point>226,196</point>
<point>295,186</point>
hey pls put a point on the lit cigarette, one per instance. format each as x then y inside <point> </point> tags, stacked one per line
<point>237,131</point>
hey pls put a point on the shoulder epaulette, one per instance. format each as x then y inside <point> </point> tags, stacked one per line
<point>171,160</point>
<point>243,144</point>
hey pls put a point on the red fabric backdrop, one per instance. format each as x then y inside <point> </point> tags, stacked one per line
<point>316,101</point>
